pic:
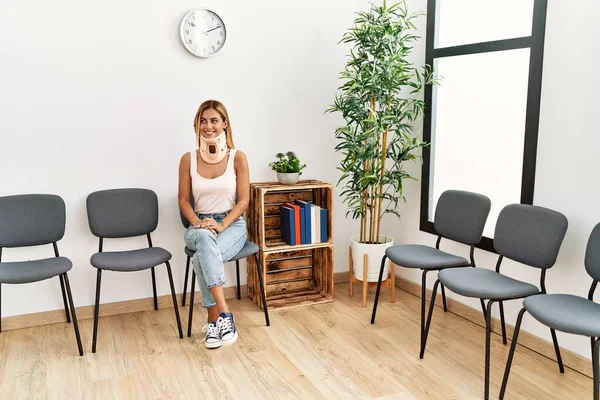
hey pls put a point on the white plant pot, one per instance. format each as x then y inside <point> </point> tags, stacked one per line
<point>288,178</point>
<point>375,253</point>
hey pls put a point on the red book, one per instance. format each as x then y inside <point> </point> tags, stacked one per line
<point>296,209</point>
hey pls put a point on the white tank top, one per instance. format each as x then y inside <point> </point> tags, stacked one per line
<point>213,195</point>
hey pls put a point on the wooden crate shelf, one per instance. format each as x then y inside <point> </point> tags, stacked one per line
<point>294,275</point>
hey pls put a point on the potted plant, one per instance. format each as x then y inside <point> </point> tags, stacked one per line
<point>288,167</point>
<point>380,105</point>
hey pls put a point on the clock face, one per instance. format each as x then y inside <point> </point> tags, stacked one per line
<point>202,32</point>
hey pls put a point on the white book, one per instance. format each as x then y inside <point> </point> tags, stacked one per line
<point>317,225</point>
<point>313,224</point>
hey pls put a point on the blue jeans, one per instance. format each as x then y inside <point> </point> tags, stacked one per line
<point>211,251</point>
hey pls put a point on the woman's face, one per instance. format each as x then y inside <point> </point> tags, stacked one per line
<point>211,123</point>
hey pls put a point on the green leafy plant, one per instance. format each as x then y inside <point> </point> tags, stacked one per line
<point>287,163</point>
<point>380,106</point>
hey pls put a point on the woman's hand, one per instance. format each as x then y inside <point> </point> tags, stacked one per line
<point>212,225</point>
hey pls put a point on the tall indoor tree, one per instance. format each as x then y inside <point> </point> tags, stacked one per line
<point>380,103</point>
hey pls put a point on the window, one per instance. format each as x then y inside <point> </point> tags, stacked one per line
<point>482,120</point>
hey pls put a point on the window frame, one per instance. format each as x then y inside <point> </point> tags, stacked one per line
<point>535,43</point>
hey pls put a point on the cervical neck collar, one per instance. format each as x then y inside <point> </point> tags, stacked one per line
<point>213,150</point>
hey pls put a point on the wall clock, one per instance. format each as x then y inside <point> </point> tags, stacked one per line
<point>202,32</point>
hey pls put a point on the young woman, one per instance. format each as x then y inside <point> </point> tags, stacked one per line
<point>216,174</point>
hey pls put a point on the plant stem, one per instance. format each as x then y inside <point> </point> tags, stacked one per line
<point>363,207</point>
<point>371,214</point>
<point>363,216</point>
<point>372,210</point>
<point>383,157</point>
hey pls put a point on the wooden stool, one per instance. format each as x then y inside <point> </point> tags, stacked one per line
<point>389,282</point>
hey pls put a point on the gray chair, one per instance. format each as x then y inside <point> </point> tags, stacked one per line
<point>568,313</point>
<point>124,213</point>
<point>34,220</point>
<point>459,216</point>
<point>190,253</point>
<point>530,235</point>
<point>249,249</point>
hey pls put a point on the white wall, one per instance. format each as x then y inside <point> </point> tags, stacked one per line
<point>103,95</point>
<point>97,96</point>
<point>567,161</point>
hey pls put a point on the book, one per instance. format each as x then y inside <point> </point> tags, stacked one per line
<point>324,233</point>
<point>305,225</point>
<point>287,223</point>
<point>313,222</point>
<point>297,232</point>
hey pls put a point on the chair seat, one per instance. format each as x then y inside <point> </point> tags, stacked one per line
<point>33,271</point>
<point>132,260</point>
<point>248,249</point>
<point>485,284</point>
<point>423,257</point>
<point>566,313</point>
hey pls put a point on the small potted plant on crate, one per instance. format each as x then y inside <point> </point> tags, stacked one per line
<point>288,167</point>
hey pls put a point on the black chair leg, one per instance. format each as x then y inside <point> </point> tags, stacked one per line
<point>430,314</point>
<point>444,298</point>
<point>592,340</point>
<point>488,329</point>
<point>511,354</point>
<point>423,295</point>
<point>237,273</point>
<point>154,289</point>
<point>501,304</point>
<point>187,271</point>
<point>483,309</point>
<point>595,367</point>
<point>64,296</point>
<point>174,300</point>
<point>374,312</point>
<point>96,309</point>
<point>262,289</point>
<point>561,367</point>
<point>72,305</point>
<point>192,289</point>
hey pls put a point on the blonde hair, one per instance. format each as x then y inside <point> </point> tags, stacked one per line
<point>220,108</point>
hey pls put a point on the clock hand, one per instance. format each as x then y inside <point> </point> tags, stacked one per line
<point>216,27</point>
<point>194,25</point>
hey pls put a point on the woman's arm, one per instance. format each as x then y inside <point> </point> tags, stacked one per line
<point>243,189</point>
<point>185,187</point>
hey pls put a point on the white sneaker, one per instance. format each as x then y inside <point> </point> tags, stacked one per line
<point>212,340</point>
<point>227,328</point>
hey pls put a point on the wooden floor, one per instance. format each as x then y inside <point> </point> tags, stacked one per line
<point>328,351</point>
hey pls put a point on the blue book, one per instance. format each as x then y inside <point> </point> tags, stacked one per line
<point>305,224</point>
<point>287,225</point>
<point>323,224</point>
<point>302,226</point>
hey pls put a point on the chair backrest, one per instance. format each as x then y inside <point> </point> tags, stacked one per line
<point>461,215</point>
<point>531,235</point>
<point>31,220</point>
<point>592,254</point>
<point>119,213</point>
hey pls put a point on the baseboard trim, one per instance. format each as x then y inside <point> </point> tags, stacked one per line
<point>106,310</point>
<point>118,308</point>
<point>532,342</point>
<point>526,339</point>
